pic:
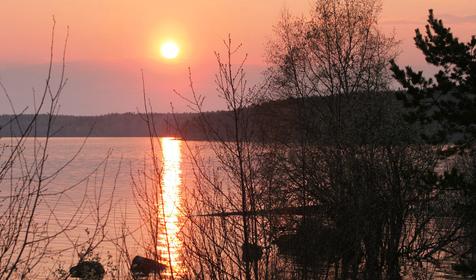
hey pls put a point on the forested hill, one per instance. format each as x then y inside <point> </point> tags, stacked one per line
<point>281,120</point>
<point>110,125</point>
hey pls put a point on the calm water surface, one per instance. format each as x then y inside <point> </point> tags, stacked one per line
<point>100,177</point>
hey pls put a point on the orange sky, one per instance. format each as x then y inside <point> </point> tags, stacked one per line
<point>111,40</point>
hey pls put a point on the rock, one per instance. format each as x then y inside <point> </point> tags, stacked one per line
<point>87,270</point>
<point>143,267</point>
<point>465,267</point>
<point>251,252</point>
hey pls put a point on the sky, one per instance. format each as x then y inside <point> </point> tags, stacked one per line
<point>110,41</point>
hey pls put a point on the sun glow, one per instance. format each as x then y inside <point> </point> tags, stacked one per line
<point>169,50</point>
<point>171,182</point>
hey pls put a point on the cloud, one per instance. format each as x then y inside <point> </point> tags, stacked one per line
<point>401,22</point>
<point>114,86</point>
<point>447,19</point>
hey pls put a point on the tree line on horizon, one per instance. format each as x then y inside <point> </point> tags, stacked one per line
<point>273,116</point>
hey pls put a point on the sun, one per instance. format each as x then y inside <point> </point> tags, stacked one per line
<point>169,50</point>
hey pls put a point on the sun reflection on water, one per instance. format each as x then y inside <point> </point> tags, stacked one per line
<point>171,182</point>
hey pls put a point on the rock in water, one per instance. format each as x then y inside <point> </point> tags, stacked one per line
<point>143,267</point>
<point>251,252</point>
<point>87,270</point>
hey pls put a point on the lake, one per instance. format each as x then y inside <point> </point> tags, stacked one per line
<point>104,196</point>
<point>100,193</point>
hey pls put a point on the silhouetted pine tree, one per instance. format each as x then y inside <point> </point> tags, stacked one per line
<point>445,107</point>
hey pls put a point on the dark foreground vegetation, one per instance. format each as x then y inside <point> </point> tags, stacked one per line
<point>321,172</point>
<point>345,182</point>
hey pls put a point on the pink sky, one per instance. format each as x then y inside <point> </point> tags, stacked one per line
<point>111,40</point>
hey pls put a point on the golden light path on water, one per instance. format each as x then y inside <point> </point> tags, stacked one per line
<point>171,183</point>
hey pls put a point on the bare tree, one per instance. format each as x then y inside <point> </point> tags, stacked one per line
<point>222,208</point>
<point>30,226</point>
